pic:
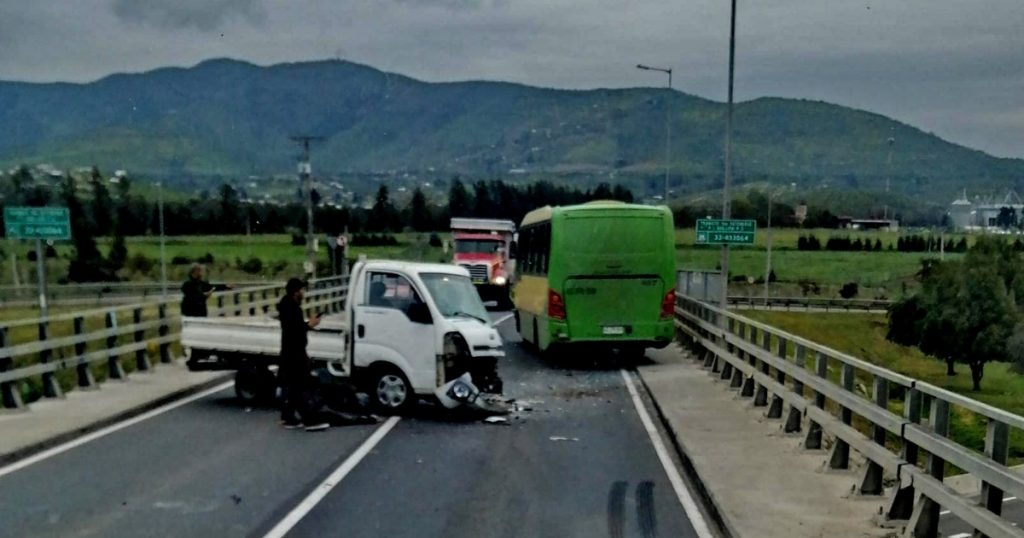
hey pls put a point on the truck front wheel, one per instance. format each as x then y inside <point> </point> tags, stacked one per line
<point>390,391</point>
<point>254,385</point>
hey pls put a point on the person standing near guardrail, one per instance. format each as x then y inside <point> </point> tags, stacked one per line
<point>295,368</point>
<point>195,291</point>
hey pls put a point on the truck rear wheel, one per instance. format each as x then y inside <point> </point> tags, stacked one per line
<point>255,385</point>
<point>390,391</point>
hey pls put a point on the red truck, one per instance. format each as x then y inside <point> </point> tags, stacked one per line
<point>486,248</point>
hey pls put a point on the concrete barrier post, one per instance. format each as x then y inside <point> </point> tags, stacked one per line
<point>872,484</point>
<point>10,396</point>
<point>737,375</point>
<point>85,378</point>
<point>51,387</point>
<point>924,522</point>
<point>813,441</point>
<point>795,418</point>
<point>726,366</point>
<point>775,409</point>
<point>114,369</point>
<point>902,506</point>
<point>220,306</point>
<point>236,299</point>
<point>164,330</point>
<point>252,303</point>
<point>840,458</point>
<point>141,356</point>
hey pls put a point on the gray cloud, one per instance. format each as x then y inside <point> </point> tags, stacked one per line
<point>204,15</point>
<point>954,67</point>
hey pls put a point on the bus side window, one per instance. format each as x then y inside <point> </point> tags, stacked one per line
<point>526,250</point>
<point>545,248</point>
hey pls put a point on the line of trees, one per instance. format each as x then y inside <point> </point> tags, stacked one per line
<point>908,243</point>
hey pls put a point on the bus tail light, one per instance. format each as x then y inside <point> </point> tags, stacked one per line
<point>668,305</point>
<point>556,305</point>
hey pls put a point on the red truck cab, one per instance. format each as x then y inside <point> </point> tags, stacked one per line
<point>485,247</point>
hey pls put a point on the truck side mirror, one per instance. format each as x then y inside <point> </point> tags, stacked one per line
<point>419,313</point>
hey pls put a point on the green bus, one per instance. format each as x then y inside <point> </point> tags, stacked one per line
<point>599,273</point>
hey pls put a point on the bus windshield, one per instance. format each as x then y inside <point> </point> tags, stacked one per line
<point>455,296</point>
<point>477,246</point>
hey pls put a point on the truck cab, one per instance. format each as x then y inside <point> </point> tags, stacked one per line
<point>486,248</point>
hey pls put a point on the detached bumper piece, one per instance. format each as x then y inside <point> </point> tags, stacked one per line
<point>482,370</point>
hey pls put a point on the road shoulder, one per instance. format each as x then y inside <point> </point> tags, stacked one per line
<point>49,423</point>
<point>736,456</point>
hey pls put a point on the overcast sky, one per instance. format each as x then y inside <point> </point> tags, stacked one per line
<point>953,67</point>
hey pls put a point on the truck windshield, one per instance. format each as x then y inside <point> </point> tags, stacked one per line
<point>455,296</point>
<point>476,246</point>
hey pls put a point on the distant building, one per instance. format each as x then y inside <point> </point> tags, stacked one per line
<point>982,213</point>
<point>888,225</point>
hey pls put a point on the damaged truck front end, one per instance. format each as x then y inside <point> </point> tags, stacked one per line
<point>467,368</point>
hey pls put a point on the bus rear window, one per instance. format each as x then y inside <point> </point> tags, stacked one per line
<point>615,234</point>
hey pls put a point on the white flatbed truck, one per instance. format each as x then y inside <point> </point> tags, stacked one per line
<point>406,330</point>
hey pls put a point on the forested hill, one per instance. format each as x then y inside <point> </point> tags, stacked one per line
<point>226,117</point>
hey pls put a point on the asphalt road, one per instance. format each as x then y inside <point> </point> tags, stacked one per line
<point>951,526</point>
<point>579,463</point>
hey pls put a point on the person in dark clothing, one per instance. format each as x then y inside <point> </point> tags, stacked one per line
<point>195,291</point>
<point>295,368</point>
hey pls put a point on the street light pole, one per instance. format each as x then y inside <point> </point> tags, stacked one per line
<point>668,121</point>
<point>768,260</point>
<point>163,253</point>
<point>306,176</point>
<point>726,203</point>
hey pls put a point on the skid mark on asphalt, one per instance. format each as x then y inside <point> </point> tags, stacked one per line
<point>617,509</point>
<point>645,514</point>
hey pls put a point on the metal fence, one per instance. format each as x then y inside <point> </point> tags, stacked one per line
<point>77,350</point>
<point>823,304</point>
<point>794,378</point>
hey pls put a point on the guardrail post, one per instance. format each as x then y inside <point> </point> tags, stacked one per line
<point>236,298</point>
<point>252,303</point>
<point>114,369</point>
<point>873,475</point>
<point>10,396</point>
<point>813,441</point>
<point>726,365</point>
<point>902,506</point>
<point>840,458</point>
<point>924,522</point>
<point>737,375</point>
<point>794,419</point>
<point>85,377</point>
<point>163,331</point>
<point>761,396</point>
<point>775,409</point>
<point>51,387</point>
<point>141,357</point>
<point>220,306</point>
<point>997,445</point>
<point>264,296</point>
<point>748,384</point>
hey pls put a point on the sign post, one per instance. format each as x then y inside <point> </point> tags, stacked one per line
<point>39,223</point>
<point>725,232</point>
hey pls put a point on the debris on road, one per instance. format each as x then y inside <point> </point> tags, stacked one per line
<point>497,420</point>
<point>560,438</point>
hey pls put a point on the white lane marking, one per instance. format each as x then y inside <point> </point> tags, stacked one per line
<point>961,535</point>
<point>685,499</point>
<point>50,452</point>
<point>335,478</point>
<point>503,319</point>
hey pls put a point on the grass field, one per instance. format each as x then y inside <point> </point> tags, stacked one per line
<point>863,336</point>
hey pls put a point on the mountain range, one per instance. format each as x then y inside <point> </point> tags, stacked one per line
<point>228,118</point>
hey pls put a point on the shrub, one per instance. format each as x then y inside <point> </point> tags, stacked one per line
<point>849,290</point>
<point>252,266</point>
<point>139,263</point>
<point>180,260</point>
<point>809,287</point>
<point>435,241</point>
<point>205,258</point>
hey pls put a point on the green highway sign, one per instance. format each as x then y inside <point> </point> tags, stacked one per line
<point>37,223</point>
<point>725,232</point>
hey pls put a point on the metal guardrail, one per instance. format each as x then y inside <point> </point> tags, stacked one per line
<point>777,369</point>
<point>825,304</point>
<point>78,340</point>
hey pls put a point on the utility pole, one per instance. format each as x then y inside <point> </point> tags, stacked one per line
<point>306,177</point>
<point>726,203</point>
<point>163,252</point>
<point>668,121</point>
<point>768,260</point>
<point>44,310</point>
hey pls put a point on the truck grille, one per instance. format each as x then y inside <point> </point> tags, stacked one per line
<point>478,273</point>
